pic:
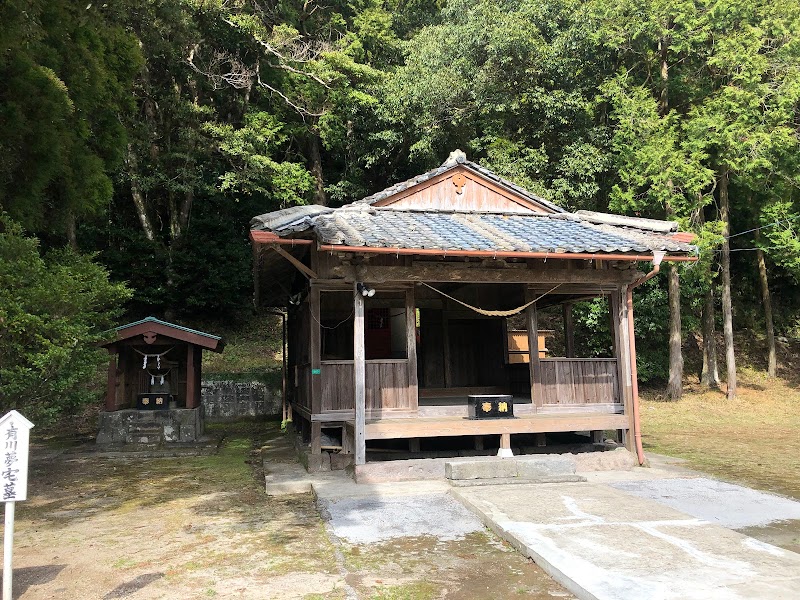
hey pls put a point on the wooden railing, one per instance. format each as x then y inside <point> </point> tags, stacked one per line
<point>386,385</point>
<point>579,381</point>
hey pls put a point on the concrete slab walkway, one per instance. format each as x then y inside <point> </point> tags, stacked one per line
<point>605,544</point>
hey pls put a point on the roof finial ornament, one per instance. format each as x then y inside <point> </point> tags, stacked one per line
<point>456,157</point>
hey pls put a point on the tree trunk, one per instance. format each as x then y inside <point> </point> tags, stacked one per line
<point>675,384</point>
<point>727,310</point>
<point>772,365</point>
<point>138,196</point>
<point>316,169</point>
<point>709,377</point>
<point>72,233</point>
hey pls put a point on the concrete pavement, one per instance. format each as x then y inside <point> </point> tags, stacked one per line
<point>605,544</point>
<point>641,534</point>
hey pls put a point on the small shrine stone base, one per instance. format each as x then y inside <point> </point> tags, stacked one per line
<point>151,427</point>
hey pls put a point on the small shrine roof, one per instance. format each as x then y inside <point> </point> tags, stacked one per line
<point>170,330</point>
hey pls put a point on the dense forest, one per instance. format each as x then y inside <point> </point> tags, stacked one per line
<point>138,138</point>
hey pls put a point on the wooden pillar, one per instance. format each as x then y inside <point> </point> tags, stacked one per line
<point>411,348</point>
<point>448,368</point>
<point>533,352</point>
<point>414,445</point>
<point>540,440</point>
<point>256,273</point>
<point>478,442</point>
<point>505,446</point>
<point>111,391</point>
<point>314,299</point>
<point>198,373</point>
<point>359,377</point>
<point>316,437</point>
<point>569,331</point>
<point>623,356</point>
<point>191,379</point>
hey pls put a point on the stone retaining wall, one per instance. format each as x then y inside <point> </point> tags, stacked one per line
<point>150,427</point>
<point>232,399</point>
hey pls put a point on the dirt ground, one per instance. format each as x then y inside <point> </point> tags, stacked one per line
<point>752,440</point>
<point>202,527</point>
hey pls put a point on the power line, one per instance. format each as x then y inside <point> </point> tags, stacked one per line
<point>778,222</point>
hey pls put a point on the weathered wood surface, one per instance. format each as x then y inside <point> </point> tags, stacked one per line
<point>624,371</point>
<point>303,389</point>
<point>573,381</point>
<point>359,377</point>
<point>474,273</point>
<point>308,272</point>
<point>477,193</point>
<point>111,383</point>
<point>457,426</point>
<point>520,409</point>
<point>386,385</point>
<point>315,345</point>
<point>411,348</point>
<point>518,348</point>
<point>534,366</point>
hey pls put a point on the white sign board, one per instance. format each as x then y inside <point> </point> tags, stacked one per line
<point>14,435</point>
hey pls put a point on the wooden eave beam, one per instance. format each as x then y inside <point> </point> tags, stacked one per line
<point>307,271</point>
<point>504,254</point>
<point>267,237</point>
<point>443,272</point>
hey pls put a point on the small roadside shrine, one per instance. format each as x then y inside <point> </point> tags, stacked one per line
<point>412,313</point>
<point>153,393</point>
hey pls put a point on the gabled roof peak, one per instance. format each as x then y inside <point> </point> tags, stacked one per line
<point>178,332</point>
<point>456,157</point>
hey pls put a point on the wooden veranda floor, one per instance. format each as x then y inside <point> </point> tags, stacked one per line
<point>395,428</point>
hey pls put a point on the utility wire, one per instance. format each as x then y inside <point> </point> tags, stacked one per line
<point>778,222</point>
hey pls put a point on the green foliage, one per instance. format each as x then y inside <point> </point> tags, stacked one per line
<point>498,78</point>
<point>163,126</point>
<point>650,309</point>
<point>249,150</point>
<point>53,312</point>
<point>782,231</point>
<point>66,70</point>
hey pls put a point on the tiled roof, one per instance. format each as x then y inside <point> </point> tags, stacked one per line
<point>502,232</point>
<point>364,224</point>
<point>166,324</point>
<point>288,220</point>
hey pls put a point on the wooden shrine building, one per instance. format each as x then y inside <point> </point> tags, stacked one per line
<point>153,392</point>
<point>404,304</point>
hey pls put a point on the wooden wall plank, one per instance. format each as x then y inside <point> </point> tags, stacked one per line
<point>315,348</point>
<point>582,381</point>
<point>411,349</point>
<point>359,378</point>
